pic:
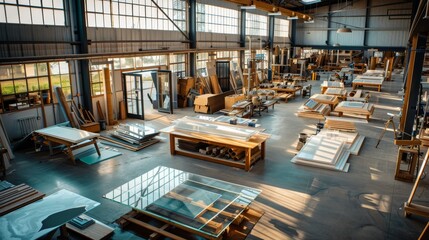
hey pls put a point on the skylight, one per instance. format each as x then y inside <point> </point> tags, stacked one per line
<point>310,1</point>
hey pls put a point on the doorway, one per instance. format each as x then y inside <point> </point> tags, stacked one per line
<point>146,90</point>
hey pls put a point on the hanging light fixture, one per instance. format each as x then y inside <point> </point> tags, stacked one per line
<point>344,30</point>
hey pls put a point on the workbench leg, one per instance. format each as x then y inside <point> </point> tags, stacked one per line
<point>51,152</point>
<point>263,150</point>
<point>63,233</point>
<point>172,144</point>
<point>70,154</point>
<point>96,147</point>
<point>248,159</point>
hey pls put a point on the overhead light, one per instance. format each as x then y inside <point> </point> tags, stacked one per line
<point>292,17</point>
<point>309,21</point>
<point>310,1</point>
<point>251,7</point>
<point>344,30</point>
<point>275,13</point>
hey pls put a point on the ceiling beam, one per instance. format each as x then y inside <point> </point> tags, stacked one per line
<point>267,7</point>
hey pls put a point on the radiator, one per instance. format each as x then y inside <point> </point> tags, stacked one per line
<point>27,125</point>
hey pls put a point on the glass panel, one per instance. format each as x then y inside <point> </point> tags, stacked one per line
<point>195,202</point>
<point>55,81</point>
<point>12,14</point>
<point>42,69</point>
<point>24,2</point>
<point>33,84</point>
<point>65,80</point>
<point>35,3</point>
<point>20,86</point>
<point>7,87</point>
<point>18,71</point>
<point>58,4</point>
<point>44,83</point>
<point>90,6</point>
<point>37,16</point>
<point>67,93</point>
<point>5,72</point>
<point>31,70</point>
<point>24,15</point>
<point>48,16</point>
<point>55,68</point>
<point>164,91</point>
<point>64,67</point>
<point>47,3</point>
<point>2,14</point>
<point>59,18</point>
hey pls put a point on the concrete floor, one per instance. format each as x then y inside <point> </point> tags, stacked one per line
<point>300,202</point>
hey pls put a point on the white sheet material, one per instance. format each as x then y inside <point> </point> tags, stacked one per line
<point>72,135</point>
<point>322,152</point>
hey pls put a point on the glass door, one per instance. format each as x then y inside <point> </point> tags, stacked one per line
<point>133,96</point>
<point>164,91</point>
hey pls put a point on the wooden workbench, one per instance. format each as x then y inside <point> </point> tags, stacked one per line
<point>72,138</point>
<point>332,101</point>
<point>368,81</point>
<point>355,108</point>
<point>288,90</point>
<point>330,84</point>
<point>254,148</point>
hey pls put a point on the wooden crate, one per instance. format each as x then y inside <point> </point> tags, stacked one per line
<point>91,127</point>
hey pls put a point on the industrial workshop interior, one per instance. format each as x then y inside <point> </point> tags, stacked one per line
<point>229,119</point>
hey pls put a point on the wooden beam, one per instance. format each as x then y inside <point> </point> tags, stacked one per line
<point>261,5</point>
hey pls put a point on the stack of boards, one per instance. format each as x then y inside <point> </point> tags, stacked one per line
<point>342,123</point>
<point>330,150</point>
<point>313,109</point>
<point>131,136</point>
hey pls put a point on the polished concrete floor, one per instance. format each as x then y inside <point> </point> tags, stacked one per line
<point>300,202</point>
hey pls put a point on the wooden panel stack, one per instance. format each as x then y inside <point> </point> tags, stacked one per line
<point>17,197</point>
<point>313,109</point>
<point>345,126</point>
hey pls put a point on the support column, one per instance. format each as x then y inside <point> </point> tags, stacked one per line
<point>365,32</point>
<point>242,36</point>
<point>192,26</point>
<point>328,33</point>
<point>271,29</point>
<point>85,83</point>
<point>412,84</point>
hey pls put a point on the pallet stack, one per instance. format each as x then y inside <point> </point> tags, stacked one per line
<point>355,108</point>
<point>133,137</point>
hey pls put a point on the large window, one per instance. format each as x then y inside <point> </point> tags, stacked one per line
<point>39,12</point>
<point>202,59</point>
<point>178,65</point>
<point>281,28</point>
<point>23,85</point>
<point>127,63</point>
<point>137,14</point>
<point>216,19</point>
<point>256,25</point>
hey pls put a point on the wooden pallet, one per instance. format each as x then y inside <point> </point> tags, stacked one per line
<point>17,197</point>
<point>152,228</point>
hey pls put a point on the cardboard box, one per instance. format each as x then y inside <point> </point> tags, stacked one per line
<point>203,99</point>
<point>201,108</point>
<point>230,100</point>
